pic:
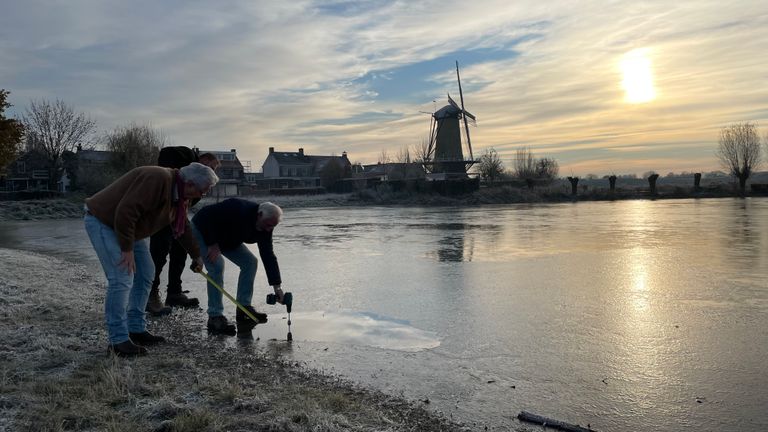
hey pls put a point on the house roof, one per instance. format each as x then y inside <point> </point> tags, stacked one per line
<point>291,158</point>
<point>299,158</point>
<point>227,159</point>
<point>230,164</point>
<point>97,156</point>
<point>375,168</point>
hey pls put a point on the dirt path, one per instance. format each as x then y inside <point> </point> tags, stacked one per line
<point>56,374</point>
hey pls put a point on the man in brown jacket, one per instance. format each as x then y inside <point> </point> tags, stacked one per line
<point>119,220</point>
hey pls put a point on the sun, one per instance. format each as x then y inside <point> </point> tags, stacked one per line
<point>638,77</point>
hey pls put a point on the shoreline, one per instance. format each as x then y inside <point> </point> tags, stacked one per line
<point>59,375</point>
<point>71,206</point>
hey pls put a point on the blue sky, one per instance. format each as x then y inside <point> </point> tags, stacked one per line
<point>334,76</point>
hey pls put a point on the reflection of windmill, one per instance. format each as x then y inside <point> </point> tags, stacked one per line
<point>445,157</point>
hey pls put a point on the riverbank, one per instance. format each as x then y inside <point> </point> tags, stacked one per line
<point>57,375</point>
<point>72,206</point>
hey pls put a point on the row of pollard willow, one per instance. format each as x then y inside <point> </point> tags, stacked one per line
<point>651,183</point>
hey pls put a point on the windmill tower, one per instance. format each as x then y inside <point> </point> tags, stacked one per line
<point>445,155</point>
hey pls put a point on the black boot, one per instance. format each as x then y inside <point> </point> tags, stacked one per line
<point>145,338</point>
<point>181,300</point>
<point>245,322</point>
<point>220,325</point>
<point>127,349</point>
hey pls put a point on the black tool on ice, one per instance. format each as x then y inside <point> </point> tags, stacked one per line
<point>288,302</point>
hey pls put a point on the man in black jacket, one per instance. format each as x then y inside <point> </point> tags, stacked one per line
<point>162,244</point>
<point>221,230</point>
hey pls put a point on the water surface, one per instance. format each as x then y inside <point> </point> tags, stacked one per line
<point>630,315</point>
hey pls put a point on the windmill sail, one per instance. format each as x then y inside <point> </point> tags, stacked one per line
<point>469,115</point>
<point>453,102</point>
<point>463,111</point>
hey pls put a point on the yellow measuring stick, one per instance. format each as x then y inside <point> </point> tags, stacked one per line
<point>241,307</point>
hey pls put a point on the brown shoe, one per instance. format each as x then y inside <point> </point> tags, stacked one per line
<point>127,349</point>
<point>155,306</point>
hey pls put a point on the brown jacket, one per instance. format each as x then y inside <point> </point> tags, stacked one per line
<point>139,204</point>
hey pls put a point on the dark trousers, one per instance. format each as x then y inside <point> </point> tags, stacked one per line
<point>161,245</point>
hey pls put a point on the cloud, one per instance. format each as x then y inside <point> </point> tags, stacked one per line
<point>332,76</point>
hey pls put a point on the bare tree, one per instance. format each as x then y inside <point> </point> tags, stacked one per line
<point>525,163</point>
<point>490,166</point>
<point>402,160</point>
<point>384,157</point>
<point>547,169</point>
<point>739,151</point>
<point>529,167</point>
<point>133,146</point>
<point>11,133</point>
<point>421,151</point>
<point>403,155</point>
<point>52,129</point>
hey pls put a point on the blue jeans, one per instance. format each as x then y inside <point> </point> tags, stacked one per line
<point>243,258</point>
<point>127,292</point>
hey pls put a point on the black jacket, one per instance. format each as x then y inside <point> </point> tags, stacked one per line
<point>176,157</point>
<point>231,223</point>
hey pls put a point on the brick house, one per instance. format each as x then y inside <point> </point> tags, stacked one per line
<point>299,170</point>
<point>231,173</point>
<point>28,172</point>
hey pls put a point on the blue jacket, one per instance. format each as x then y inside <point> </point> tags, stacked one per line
<point>231,223</point>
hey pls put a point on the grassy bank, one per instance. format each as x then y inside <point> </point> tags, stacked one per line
<point>56,375</point>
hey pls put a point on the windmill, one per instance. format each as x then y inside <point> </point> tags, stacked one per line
<point>445,156</point>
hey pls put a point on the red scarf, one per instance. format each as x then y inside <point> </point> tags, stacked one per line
<point>180,223</point>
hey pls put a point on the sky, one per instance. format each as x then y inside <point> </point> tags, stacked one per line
<point>604,87</point>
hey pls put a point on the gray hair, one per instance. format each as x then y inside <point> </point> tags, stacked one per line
<point>199,175</point>
<point>269,210</point>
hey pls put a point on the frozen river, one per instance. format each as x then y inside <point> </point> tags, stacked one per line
<point>629,315</point>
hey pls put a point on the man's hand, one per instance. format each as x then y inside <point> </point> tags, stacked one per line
<point>127,262</point>
<point>197,265</point>
<point>278,293</point>
<point>213,252</point>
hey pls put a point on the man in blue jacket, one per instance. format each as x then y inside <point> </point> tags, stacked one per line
<point>221,230</point>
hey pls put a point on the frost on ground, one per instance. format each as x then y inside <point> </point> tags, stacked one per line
<point>40,209</point>
<point>73,207</point>
<point>56,374</point>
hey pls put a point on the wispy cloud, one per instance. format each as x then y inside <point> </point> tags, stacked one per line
<point>333,76</point>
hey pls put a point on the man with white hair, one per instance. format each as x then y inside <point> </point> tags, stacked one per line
<point>221,230</point>
<point>119,220</point>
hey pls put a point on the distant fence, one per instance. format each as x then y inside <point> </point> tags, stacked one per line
<point>28,195</point>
